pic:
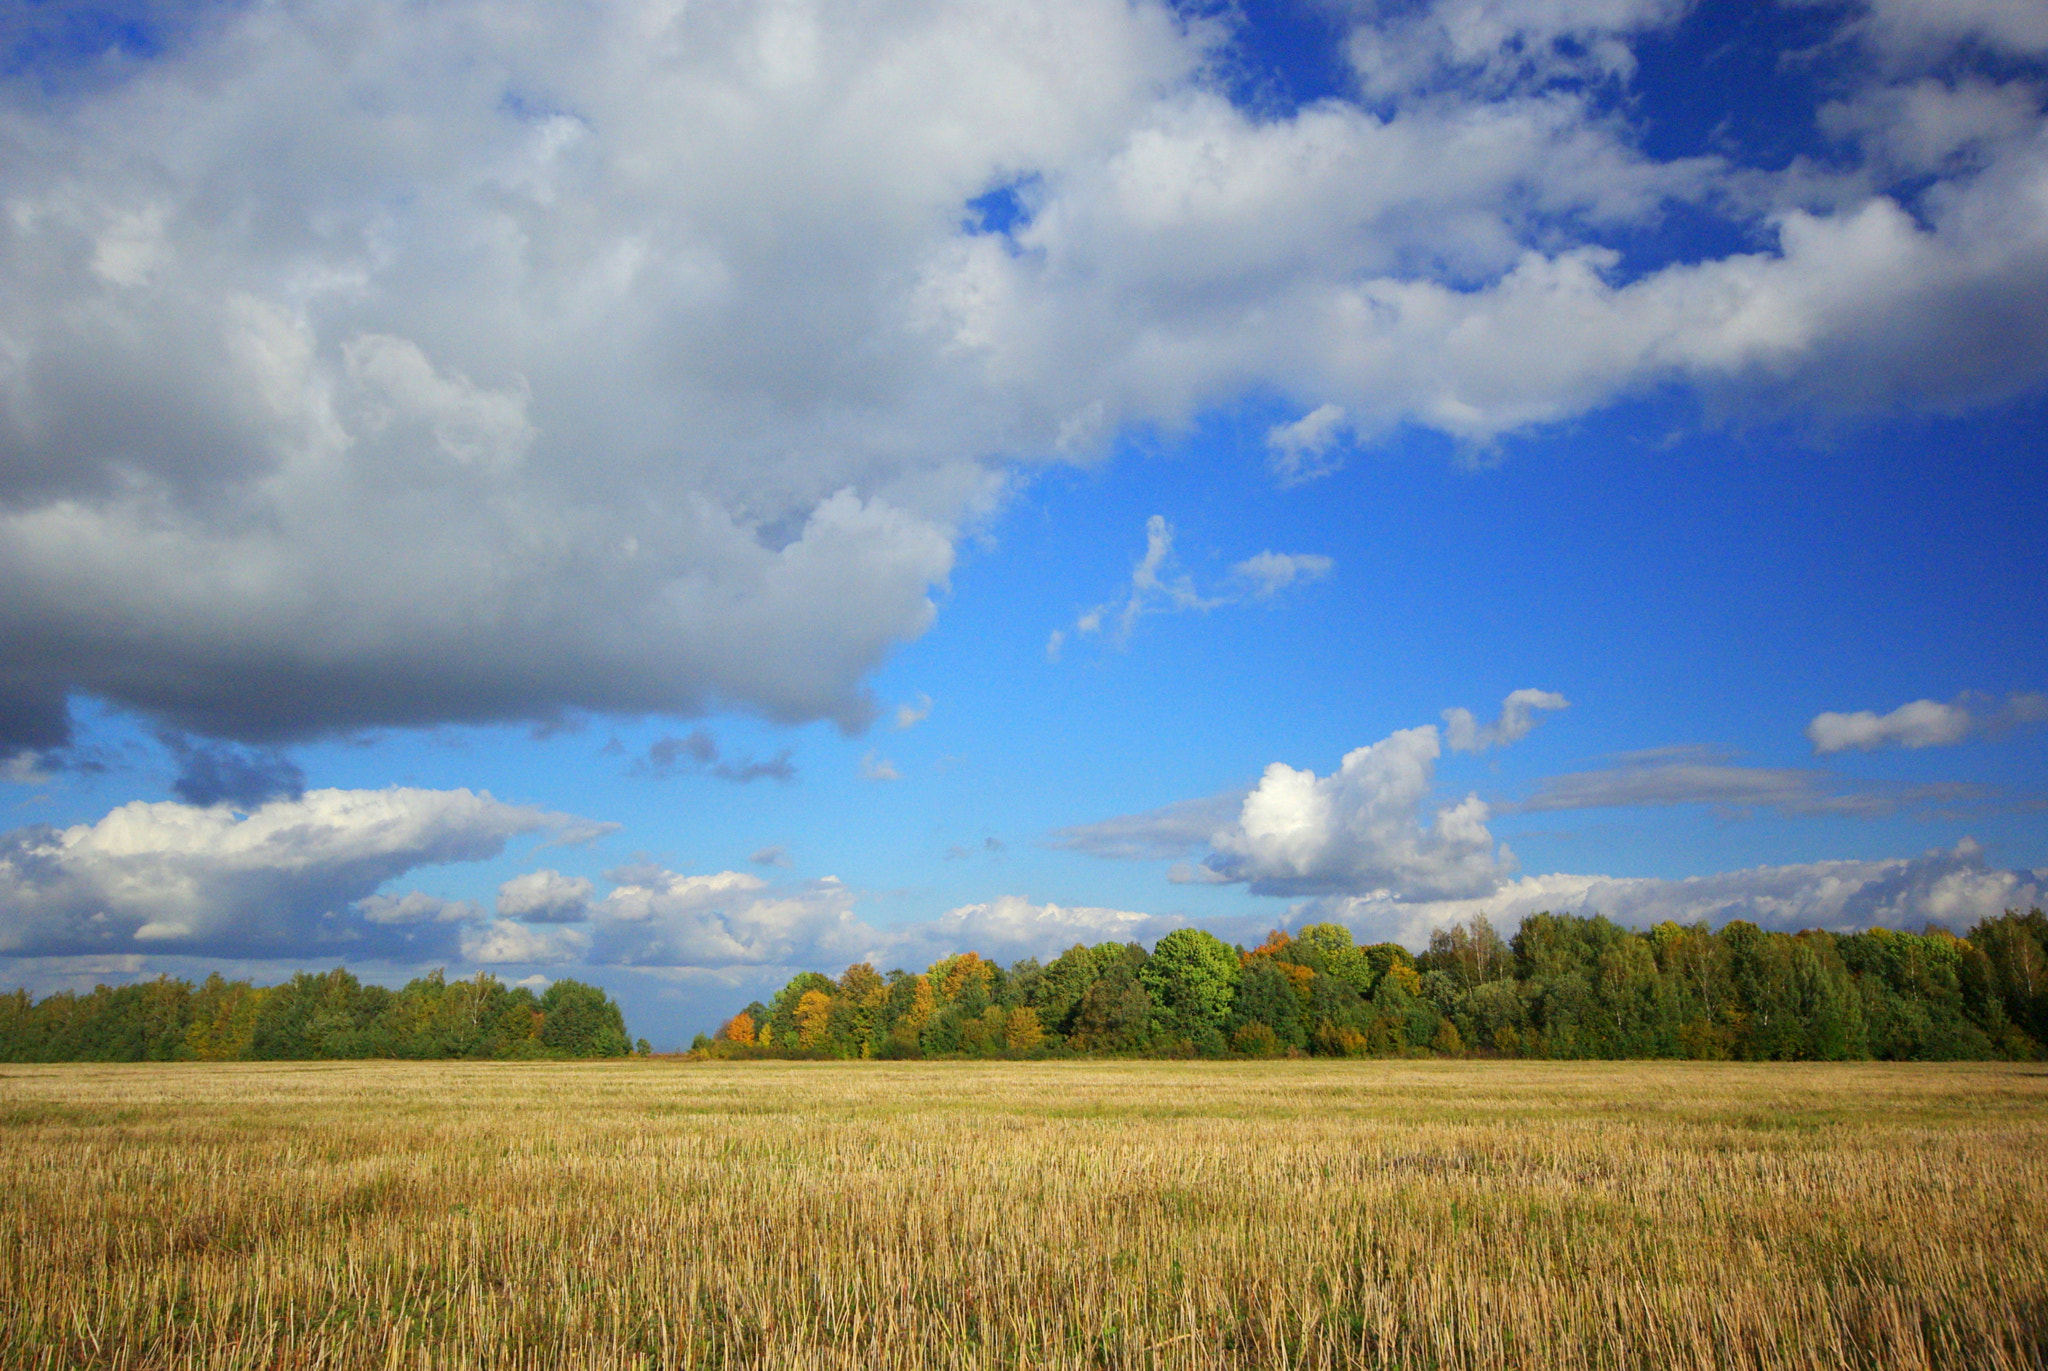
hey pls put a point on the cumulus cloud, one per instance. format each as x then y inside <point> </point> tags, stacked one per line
<point>502,941</point>
<point>545,897</point>
<point>492,359</point>
<point>1921,723</point>
<point>729,918</point>
<point>1160,586</point>
<point>291,878</point>
<point>1360,828</point>
<point>733,920</point>
<point>1463,733</point>
<point>911,715</point>
<point>1953,886</point>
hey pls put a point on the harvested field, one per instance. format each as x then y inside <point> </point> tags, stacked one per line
<point>1127,1214</point>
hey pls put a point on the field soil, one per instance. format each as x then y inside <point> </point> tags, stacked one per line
<point>658,1213</point>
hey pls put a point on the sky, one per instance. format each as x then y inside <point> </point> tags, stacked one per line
<point>677,494</point>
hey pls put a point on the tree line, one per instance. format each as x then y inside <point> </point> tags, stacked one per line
<point>1564,986</point>
<point>312,1017</point>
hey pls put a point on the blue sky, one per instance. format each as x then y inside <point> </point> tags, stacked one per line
<point>675,499</point>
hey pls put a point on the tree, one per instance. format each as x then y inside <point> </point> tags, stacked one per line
<point>1192,979</point>
<point>582,1021</point>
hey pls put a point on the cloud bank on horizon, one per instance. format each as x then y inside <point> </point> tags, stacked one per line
<point>371,371</point>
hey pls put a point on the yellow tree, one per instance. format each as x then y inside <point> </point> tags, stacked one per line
<point>813,1019</point>
<point>1022,1031</point>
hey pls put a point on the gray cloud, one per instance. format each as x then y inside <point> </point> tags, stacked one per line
<point>698,752</point>
<point>1170,831</point>
<point>1703,776</point>
<point>245,777</point>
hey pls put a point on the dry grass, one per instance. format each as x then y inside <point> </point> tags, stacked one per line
<point>1412,1214</point>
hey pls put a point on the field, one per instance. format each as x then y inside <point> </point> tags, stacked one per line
<point>1296,1214</point>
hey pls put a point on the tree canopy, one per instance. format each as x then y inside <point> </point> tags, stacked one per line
<point>333,1015</point>
<point>1564,985</point>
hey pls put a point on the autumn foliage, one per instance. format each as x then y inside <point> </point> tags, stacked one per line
<point>1563,986</point>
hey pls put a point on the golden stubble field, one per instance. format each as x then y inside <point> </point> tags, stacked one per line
<point>1140,1214</point>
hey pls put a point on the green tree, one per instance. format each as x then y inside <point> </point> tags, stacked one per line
<point>1192,979</point>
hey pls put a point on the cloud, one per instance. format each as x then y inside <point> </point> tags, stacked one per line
<point>1954,887</point>
<point>1921,723</point>
<point>875,767</point>
<point>545,897</point>
<point>1170,831</point>
<point>1301,451</point>
<point>502,941</point>
<point>292,878</point>
<point>417,907</point>
<point>649,360</point>
<point>1463,733</point>
<point>911,715</point>
<point>1011,927</point>
<point>1269,573</point>
<point>698,753</point>
<point>1690,775</point>
<point>1501,46</point>
<point>245,777</point>
<point>1158,585</point>
<point>1360,828</point>
<point>729,919</point>
<point>770,856</point>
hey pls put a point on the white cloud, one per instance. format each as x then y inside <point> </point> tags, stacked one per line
<point>1921,723</point>
<point>875,767</point>
<point>1463,733</point>
<point>1159,585</point>
<point>1955,887</point>
<point>1907,30</point>
<point>1300,451</point>
<point>911,715</point>
<point>1011,926</point>
<point>292,878</point>
<point>502,941</point>
<point>545,897</point>
<point>1502,45</point>
<point>1361,828</point>
<point>1269,573</point>
<point>730,918</point>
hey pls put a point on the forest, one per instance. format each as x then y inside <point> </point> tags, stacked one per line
<point>330,1016</point>
<point>1564,986</point>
